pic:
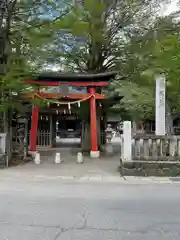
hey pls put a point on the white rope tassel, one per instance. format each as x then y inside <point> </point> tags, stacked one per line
<point>69,106</point>
<point>79,104</point>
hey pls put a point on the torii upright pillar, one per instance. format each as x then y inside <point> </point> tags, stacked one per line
<point>93,125</point>
<point>34,127</point>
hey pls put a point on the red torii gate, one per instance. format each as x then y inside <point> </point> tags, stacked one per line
<point>91,81</point>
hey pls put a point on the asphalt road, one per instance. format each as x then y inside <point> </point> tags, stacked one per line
<point>52,210</point>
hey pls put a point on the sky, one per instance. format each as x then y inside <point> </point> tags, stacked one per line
<point>171,7</point>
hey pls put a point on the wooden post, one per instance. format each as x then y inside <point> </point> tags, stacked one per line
<point>93,125</point>
<point>34,126</point>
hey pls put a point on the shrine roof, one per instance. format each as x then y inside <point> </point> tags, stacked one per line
<point>75,77</point>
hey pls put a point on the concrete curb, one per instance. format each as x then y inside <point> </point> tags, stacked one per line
<point>149,180</point>
<point>111,179</point>
<point>92,178</point>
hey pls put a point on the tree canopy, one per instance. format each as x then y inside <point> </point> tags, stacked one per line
<point>93,36</point>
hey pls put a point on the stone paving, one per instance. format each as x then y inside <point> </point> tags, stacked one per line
<point>69,169</point>
<point>104,169</point>
<point>92,170</point>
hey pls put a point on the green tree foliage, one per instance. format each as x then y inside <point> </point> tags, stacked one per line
<point>138,101</point>
<point>105,28</point>
<point>168,59</point>
<point>99,36</point>
<point>25,28</point>
<point>95,36</point>
<point>159,52</point>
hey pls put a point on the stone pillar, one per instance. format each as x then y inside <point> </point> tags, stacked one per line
<point>127,142</point>
<point>160,105</point>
